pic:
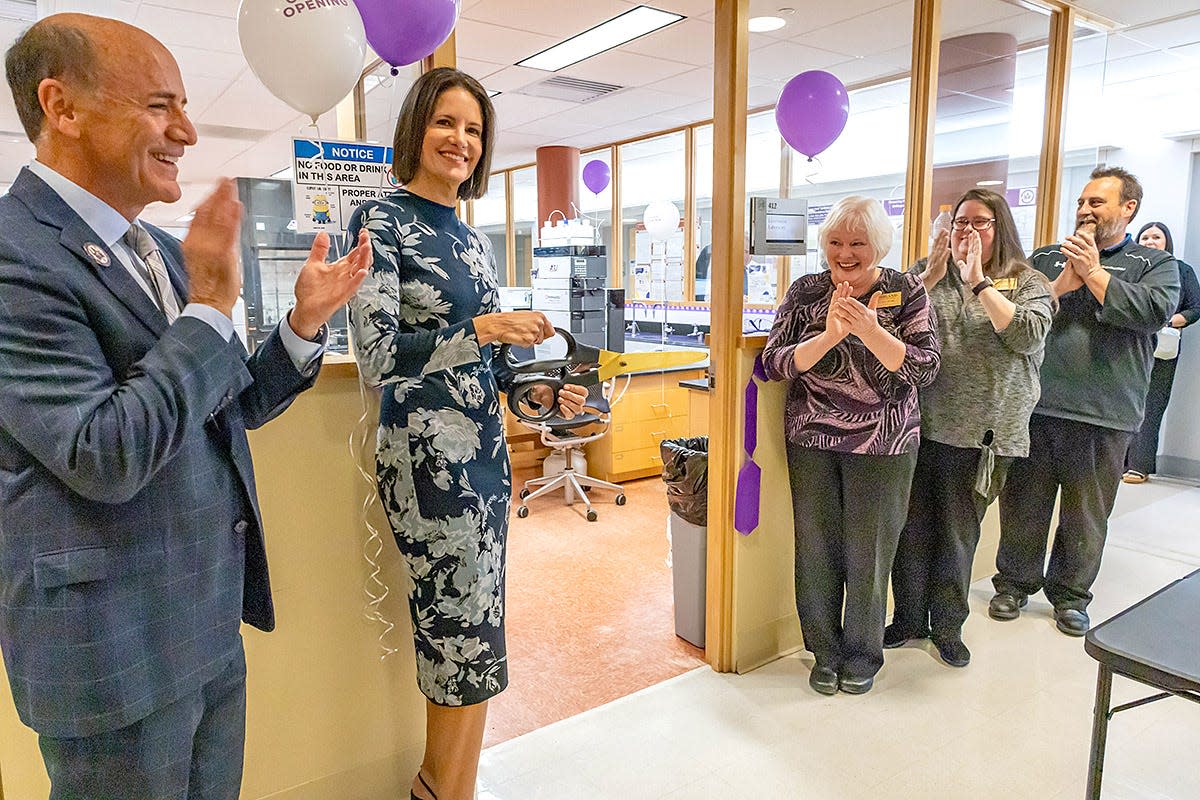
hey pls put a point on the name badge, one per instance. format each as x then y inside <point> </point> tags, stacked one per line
<point>1005,284</point>
<point>889,300</point>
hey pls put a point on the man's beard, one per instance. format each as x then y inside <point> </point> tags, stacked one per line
<point>1101,232</point>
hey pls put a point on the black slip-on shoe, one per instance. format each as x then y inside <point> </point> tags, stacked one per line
<point>1072,621</point>
<point>953,652</point>
<point>1006,606</point>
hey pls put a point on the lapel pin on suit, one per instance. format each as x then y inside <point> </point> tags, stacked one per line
<point>97,253</point>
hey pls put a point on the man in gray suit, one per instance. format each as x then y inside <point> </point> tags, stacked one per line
<point>130,538</point>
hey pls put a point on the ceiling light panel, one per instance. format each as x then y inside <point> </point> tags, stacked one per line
<point>617,31</point>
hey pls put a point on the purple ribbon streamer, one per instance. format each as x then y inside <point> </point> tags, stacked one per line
<point>749,482</point>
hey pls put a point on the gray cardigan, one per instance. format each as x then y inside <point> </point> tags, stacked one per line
<point>989,380</point>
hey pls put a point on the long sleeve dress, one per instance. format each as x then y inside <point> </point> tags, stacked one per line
<point>441,464</point>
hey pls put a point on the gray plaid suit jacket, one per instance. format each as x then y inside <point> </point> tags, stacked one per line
<point>130,538</point>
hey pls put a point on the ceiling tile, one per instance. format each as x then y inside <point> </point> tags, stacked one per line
<point>784,60</point>
<point>880,30</point>
<point>691,84</point>
<point>689,41</point>
<point>203,63</point>
<point>554,127</point>
<point>514,110</point>
<point>480,70</point>
<point>510,79</point>
<point>497,44</point>
<point>630,104</point>
<point>558,20</point>
<point>624,68</point>
<point>248,104</point>
<point>173,26</point>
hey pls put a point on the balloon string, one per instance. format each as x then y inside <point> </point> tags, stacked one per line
<point>374,588</point>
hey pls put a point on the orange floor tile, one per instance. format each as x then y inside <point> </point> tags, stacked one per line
<point>590,616</point>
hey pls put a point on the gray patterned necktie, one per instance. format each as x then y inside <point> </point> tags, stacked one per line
<point>144,245</point>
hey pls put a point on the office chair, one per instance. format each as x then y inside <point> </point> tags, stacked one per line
<point>561,435</point>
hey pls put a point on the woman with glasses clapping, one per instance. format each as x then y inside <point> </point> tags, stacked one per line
<point>993,313</point>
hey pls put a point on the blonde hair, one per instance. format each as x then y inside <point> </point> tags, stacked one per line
<point>859,213</point>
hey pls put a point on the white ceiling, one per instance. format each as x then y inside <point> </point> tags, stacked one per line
<point>668,75</point>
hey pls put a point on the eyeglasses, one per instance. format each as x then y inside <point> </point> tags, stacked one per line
<point>979,223</point>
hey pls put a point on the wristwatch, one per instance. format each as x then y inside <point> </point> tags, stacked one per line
<point>983,284</point>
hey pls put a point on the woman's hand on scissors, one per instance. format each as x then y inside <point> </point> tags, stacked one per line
<point>522,328</point>
<point>571,398</point>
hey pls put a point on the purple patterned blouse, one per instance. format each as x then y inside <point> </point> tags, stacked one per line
<point>848,401</point>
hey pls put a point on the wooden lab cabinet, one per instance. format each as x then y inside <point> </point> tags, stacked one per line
<point>654,407</point>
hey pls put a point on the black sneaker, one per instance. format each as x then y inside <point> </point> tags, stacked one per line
<point>953,652</point>
<point>897,634</point>
<point>1072,621</point>
<point>1006,606</point>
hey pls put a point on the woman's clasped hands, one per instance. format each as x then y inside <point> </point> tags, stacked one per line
<point>847,315</point>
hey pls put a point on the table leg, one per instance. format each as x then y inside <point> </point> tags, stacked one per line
<point>1099,731</point>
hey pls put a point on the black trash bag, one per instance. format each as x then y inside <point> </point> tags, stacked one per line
<point>685,471</point>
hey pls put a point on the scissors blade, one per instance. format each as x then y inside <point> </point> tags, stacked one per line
<point>613,364</point>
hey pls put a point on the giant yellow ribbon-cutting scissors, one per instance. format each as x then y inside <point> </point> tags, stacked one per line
<point>582,365</point>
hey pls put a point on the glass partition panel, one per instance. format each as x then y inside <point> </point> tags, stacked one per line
<point>652,172</point>
<point>384,94</point>
<point>489,219</point>
<point>990,106</point>
<point>525,221</point>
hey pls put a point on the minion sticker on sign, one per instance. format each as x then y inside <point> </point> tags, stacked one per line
<point>320,210</point>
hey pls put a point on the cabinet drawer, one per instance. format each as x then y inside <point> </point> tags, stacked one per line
<point>647,433</point>
<point>631,460</point>
<point>637,406</point>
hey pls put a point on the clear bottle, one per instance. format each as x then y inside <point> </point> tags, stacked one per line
<point>942,222</point>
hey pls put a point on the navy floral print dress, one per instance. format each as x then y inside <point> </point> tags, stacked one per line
<point>441,463</point>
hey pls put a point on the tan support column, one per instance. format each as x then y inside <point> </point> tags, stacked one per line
<point>444,56</point>
<point>731,61</point>
<point>557,181</point>
<point>1058,73</point>
<point>918,189</point>
<point>690,216</point>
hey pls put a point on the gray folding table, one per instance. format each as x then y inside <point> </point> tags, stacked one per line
<point>1156,642</point>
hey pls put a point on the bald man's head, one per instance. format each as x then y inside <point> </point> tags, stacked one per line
<point>78,49</point>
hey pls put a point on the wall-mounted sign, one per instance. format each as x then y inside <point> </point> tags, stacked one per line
<point>331,179</point>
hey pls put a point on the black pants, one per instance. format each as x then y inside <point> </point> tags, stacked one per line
<point>1086,461</point>
<point>932,571</point>
<point>188,750</point>
<point>1143,450</point>
<point>848,511</point>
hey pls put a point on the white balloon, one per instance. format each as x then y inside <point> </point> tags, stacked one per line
<point>661,219</point>
<point>310,58</point>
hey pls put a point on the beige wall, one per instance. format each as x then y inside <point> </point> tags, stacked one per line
<point>764,613</point>
<point>326,718</point>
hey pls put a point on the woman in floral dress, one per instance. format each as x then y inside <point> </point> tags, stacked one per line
<point>425,324</point>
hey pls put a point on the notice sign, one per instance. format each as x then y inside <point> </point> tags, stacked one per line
<point>334,178</point>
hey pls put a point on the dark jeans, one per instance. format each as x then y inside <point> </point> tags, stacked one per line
<point>1086,461</point>
<point>1143,450</point>
<point>932,571</point>
<point>189,750</point>
<point>848,511</point>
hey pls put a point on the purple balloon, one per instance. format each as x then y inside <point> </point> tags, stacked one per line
<point>405,31</point>
<point>812,111</point>
<point>596,176</point>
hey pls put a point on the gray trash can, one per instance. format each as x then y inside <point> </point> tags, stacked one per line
<point>685,471</point>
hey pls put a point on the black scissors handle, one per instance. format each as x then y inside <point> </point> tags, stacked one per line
<point>550,373</point>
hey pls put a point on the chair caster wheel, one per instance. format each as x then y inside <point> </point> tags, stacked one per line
<point>592,516</point>
<point>620,500</point>
<point>524,493</point>
<point>523,511</point>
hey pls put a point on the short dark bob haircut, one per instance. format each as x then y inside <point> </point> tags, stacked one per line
<point>1166,232</point>
<point>416,114</point>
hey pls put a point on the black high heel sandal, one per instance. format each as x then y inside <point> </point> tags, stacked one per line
<point>428,788</point>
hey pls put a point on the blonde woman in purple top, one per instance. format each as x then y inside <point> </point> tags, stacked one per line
<point>855,342</point>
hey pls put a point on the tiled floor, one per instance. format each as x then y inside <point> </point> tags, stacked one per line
<point>589,609</point>
<point>1015,725</point>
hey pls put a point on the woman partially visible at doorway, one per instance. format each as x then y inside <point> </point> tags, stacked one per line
<point>993,313</point>
<point>855,342</point>
<point>1141,460</point>
<point>425,321</point>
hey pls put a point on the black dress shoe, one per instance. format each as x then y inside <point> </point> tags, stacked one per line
<point>1006,606</point>
<point>897,634</point>
<point>823,680</point>
<point>856,685</point>
<point>1072,621</point>
<point>953,651</point>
